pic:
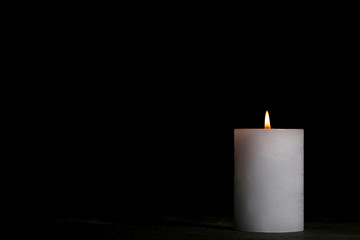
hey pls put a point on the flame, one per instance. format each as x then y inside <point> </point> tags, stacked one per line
<point>267,120</point>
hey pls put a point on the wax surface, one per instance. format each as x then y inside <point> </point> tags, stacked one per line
<point>268,180</point>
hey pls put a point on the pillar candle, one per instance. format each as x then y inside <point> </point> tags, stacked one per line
<point>269,180</point>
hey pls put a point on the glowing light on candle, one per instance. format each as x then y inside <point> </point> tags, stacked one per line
<point>267,120</point>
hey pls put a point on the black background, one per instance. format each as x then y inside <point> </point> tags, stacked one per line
<point>139,124</point>
<point>98,156</point>
<point>132,113</point>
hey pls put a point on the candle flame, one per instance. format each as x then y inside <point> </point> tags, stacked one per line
<point>267,120</point>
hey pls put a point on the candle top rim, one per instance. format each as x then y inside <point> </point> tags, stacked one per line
<point>276,129</point>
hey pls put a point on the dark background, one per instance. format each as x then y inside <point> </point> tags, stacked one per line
<point>98,156</point>
<point>131,113</point>
<point>138,120</point>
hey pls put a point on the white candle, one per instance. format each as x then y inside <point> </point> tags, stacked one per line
<point>269,181</point>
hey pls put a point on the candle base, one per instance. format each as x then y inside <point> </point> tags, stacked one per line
<point>268,231</point>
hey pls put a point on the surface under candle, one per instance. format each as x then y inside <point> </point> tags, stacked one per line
<point>269,180</point>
